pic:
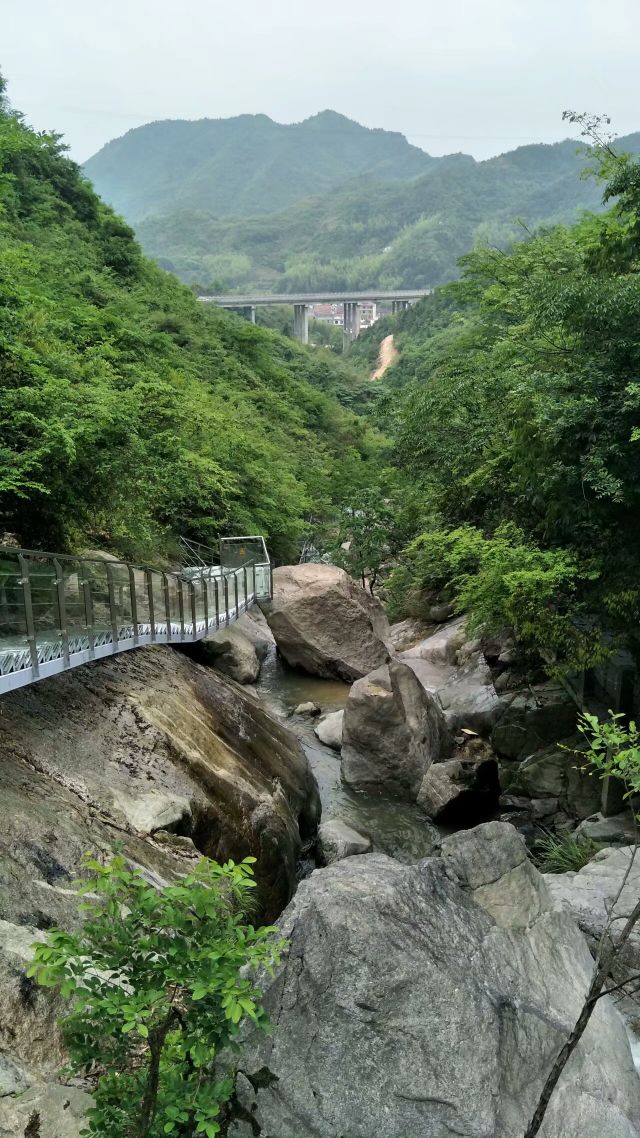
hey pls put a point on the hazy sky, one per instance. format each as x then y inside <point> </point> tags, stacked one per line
<point>476,75</point>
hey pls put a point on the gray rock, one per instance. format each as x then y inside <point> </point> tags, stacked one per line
<point>325,623</point>
<point>618,830</point>
<point>533,719</point>
<point>307,708</point>
<point>557,773</point>
<point>458,789</point>
<point>430,1000</point>
<point>329,730</point>
<point>407,633</point>
<point>13,1078</point>
<point>60,1110</point>
<point>440,647</point>
<point>339,840</point>
<point>154,810</point>
<point>392,731</point>
<point>470,699</point>
<point>253,625</point>
<point>231,652</point>
<point>440,613</point>
<point>589,895</point>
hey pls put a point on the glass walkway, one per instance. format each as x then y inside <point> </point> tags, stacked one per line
<point>57,612</point>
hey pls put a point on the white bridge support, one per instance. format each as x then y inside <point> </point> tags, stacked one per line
<point>301,323</point>
<point>399,306</point>
<point>351,327</point>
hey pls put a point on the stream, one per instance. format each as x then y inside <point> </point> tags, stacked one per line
<point>396,828</point>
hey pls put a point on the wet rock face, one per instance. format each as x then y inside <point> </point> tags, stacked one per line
<point>392,731</point>
<point>147,741</point>
<point>326,624</point>
<point>424,1000</point>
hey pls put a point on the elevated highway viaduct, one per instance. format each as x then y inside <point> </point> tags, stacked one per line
<point>351,301</point>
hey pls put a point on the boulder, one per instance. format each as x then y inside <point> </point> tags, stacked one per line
<point>231,652</point>
<point>556,773</point>
<point>138,742</point>
<point>329,730</point>
<point>532,719</point>
<point>308,708</point>
<point>440,647</point>
<point>589,896</point>
<point>338,840</point>
<point>254,626</point>
<point>616,830</point>
<point>429,1000</point>
<point>460,790</point>
<point>407,633</point>
<point>393,729</point>
<point>326,624</point>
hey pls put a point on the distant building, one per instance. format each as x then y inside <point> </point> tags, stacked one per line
<point>334,313</point>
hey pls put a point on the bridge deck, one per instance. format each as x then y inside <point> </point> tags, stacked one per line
<point>315,298</point>
<point>57,612</point>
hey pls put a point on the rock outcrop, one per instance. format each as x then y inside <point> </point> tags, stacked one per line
<point>556,774</point>
<point>393,729</point>
<point>430,1000</point>
<point>115,756</point>
<point>337,839</point>
<point>326,624</point>
<point>461,790</point>
<point>237,651</point>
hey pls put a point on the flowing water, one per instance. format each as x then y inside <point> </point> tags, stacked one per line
<point>395,827</point>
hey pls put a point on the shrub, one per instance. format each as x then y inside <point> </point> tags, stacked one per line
<point>159,985</point>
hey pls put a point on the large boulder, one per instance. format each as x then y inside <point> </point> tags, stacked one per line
<point>533,719</point>
<point>325,623</point>
<point>337,840</point>
<point>556,773</point>
<point>109,757</point>
<point>392,730</point>
<point>231,652</point>
<point>460,790</point>
<point>430,1000</point>
<point>589,897</point>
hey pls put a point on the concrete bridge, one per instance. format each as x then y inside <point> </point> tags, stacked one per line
<point>351,301</point>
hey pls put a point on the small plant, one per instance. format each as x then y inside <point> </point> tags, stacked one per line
<point>567,854</point>
<point>159,986</point>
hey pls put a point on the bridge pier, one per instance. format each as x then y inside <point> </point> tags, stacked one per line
<point>249,312</point>
<point>399,306</point>
<point>351,329</point>
<point>301,323</point>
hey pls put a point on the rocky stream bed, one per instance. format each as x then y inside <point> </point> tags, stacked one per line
<point>432,978</point>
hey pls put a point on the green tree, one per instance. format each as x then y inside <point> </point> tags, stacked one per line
<point>159,982</point>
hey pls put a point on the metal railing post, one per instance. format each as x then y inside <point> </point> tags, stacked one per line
<point>88,611</point>
<point>134,604</point>
<point>181,606</point>
<point>216,594</point>
<point>148,576</point>
<point>113,612</point>
<point>62,611</point>
<point>205,599</point>
<point>235,590</point>
<point>167,603</point>
<point>246,587</point>
<point>194,610</point>
<point>28,612</point>
<point>226,601</point>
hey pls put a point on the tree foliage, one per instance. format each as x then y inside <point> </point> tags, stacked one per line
<point>159,983</point>
<point>128,411</point>
<point>515,407</point>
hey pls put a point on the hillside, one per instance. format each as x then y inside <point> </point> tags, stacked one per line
<point>129,412</point>
<point>245,165</point>
<point>400,235</point>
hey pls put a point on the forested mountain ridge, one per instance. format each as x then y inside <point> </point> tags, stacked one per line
<point>366,234</point>
<point>515,410</point>
<point>129,413</point>
<point>244,165</point>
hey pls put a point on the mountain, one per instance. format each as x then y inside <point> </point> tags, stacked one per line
<point>245,165</point>
<point>369,233</point>
<point>129,413</point>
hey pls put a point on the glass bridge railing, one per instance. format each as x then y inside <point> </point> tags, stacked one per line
<point>57,612</point>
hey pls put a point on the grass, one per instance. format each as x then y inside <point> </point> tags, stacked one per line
<point>565,854</point>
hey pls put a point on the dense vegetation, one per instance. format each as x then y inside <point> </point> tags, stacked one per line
<point>515,407</point>
<point>245,165</point>
<point>409,234</point>
<point>129,412</point>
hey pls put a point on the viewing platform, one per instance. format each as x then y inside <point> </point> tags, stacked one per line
<point>58,612</point>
